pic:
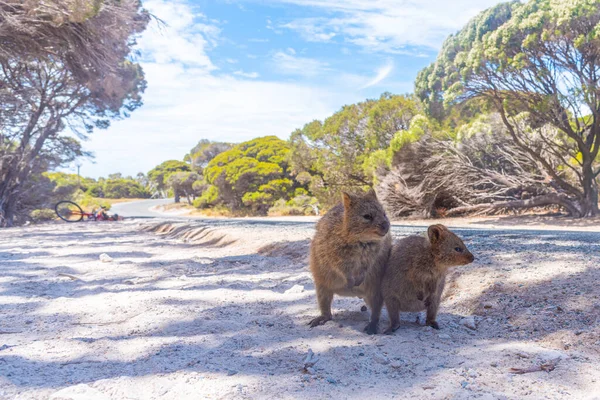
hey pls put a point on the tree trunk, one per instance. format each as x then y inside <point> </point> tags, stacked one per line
<point>589,201</point>
<point>7,208</point>
<point>545,200</point>
<point>177,199</point>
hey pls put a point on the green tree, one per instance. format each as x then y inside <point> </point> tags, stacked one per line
<point>204,152</point>
<point>342,152</point>
<point>251,176</point>
<point>535,62</point>
<point>159,175</point>
<point>123,189</point>
<point>182,184</point>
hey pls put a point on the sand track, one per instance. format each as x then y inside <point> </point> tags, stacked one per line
<point>189,310</point>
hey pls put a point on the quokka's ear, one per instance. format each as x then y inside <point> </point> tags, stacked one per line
<point>347,200</point>
<point>371,194</point>
<point>436,232</point>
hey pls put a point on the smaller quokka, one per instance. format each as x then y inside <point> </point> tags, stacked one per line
<point>416,273</point>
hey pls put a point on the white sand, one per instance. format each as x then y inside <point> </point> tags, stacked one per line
<point>221,313</point>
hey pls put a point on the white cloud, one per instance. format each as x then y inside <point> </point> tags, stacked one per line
<point>382,73</point>
<point>311,29</point>
<point>386,25</point>
<point>183,106</point>
<point>182,39</point>
<point>186,100</point>
<point>286,62</point>
<point>251,75</point>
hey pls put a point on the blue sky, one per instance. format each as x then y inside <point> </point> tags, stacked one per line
<point>233,70</point>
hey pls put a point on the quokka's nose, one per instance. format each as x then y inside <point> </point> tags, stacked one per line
<point>471,257</point>
<point>385,226</point>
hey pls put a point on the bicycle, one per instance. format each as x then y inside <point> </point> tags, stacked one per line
<point>69,211</point>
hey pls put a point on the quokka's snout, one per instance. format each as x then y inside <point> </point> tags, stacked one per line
<point>384,227</point>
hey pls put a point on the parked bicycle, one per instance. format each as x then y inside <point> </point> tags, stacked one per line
<point>71,212</point>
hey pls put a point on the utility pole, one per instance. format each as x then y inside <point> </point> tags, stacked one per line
<point>78,177</point>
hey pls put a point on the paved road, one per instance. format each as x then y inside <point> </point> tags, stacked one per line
<point>139,209</point>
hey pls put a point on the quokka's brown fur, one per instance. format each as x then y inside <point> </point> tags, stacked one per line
<point>348,254</point>
<point>416,273</point>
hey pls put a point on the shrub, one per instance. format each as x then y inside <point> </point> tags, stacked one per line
<point>42,215</point>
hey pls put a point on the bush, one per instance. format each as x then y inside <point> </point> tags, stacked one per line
<point>95,190</point>
<point>124,189</point>
<point>209,198</point>
<point>299,205</point>
<point>89,203</point>
<point>42,215</point>
<point>251,176</point>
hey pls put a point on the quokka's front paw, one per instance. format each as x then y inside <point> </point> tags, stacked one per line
<point>320,320</point>
<point>433,324</point>
<point>391,329</point>
<point>371,329</point>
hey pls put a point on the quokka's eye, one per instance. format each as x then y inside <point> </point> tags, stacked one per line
<point>458,249</point>
<point>368,217</point>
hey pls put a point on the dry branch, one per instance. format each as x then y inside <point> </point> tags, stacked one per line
<point>485,173</point>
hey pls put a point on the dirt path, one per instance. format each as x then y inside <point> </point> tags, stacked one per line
<point>192,312</point>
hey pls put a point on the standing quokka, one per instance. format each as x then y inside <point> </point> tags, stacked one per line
<point>348,254</point>
<point>416,273</point>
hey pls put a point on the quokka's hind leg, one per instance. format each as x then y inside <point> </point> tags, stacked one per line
<point>393,309</point>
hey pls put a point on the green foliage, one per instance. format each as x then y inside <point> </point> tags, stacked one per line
<point>418,127</point>
<point>204,152</point>
<point>124,189</point>
<point>96,190</point>
<point>89,203</point>
<point>42,215</point>
<point>182,184</point>
<point>209,198</point>
<point>536,60</point>
<point>440,83</point>
<point>251,176</point>
<point>159,175</point>
<point>299,205</point>
<point>67,185</point>
<point>342,152</point>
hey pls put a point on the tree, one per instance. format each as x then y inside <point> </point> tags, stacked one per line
<point>342,152</point>
<point>182,184</point>
<point>120,188</point>
<point>142,179</point>
<point>251,176</point>
<point>204,152</point>
<point>159,175</point>
<point>536,61</point>
<point>116,175</point>
<point>480,170</point>
<point>61,65</point>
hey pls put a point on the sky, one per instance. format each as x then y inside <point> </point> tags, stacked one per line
<point>234,70</point>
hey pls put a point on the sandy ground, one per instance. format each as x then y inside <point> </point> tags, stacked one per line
<point>190,311</point>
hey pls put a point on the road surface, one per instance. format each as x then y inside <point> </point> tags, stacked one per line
<point>139,209</point>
